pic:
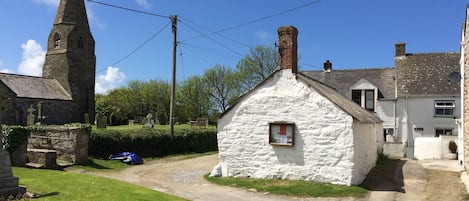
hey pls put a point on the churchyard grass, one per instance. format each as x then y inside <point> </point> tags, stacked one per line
<point>291,188</point>
<point>59,185</point>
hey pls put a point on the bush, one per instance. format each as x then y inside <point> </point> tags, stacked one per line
<point>14,136</point>
<point>453,147</point>
<point>150,142</point>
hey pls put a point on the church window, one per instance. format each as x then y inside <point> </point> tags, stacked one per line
<point>56,40</point>
<point>81,45</point>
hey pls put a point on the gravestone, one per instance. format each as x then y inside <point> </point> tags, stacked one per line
<point>101,121</point>
<point>31,117</point>
<point>87,118</point>
<point>8,183</point>
<point>149,123</point>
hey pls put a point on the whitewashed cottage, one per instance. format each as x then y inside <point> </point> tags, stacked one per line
<point>291,126</point>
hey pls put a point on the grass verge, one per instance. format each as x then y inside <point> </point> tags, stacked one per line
<point>291,188</point>
<point>60,185</point>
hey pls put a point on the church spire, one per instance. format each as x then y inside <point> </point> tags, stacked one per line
<point>71,12</point>
<point>70,57</point>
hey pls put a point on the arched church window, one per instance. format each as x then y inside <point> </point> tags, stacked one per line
<point>56,40</point>
<point>81,44</point>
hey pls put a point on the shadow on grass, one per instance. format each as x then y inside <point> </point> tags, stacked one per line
<point>49,194</point>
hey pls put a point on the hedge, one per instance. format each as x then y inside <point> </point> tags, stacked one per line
<point>14,136</point>
<point>150,142</point>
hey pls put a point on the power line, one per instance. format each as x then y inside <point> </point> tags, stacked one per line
<point>213,40</point>
<point>129,9</point>
<point>139,47</point>
<point>235,41</point>
<point>255,20</point>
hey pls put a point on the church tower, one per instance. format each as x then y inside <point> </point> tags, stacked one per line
<point>70,57</point>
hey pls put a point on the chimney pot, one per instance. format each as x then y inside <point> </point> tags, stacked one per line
<point>400,49</point>
<point>287,47</point>
<point>327,66</point>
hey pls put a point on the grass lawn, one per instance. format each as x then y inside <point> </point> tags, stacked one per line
<point>60,185</point>
<point>291,188</point>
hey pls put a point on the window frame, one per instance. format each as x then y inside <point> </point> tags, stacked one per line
<point>372,99</point>
<point>446,108</point>
<point>445,130</point>
<point>289,129</point>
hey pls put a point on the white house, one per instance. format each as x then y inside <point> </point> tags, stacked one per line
<point>293,127</point>
<point>414,99</point>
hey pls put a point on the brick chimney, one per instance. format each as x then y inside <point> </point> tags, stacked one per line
<point>287,48</point>
<point>327,66</point>
<point>400,49</point>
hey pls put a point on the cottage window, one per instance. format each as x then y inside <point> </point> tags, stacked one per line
<point>368,97</point>
<point>281,133</point>
<point>444,108</point>
<point>370,100</point>
<point>443,131</point>
<point>357,96</point>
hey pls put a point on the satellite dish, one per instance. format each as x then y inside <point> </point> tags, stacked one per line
<point>454,77</point>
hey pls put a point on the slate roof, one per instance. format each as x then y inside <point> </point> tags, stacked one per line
<point>342,80</point>
<point>427,74</point>
<point>34,87</point>
<point>346,104</point>
<point>350,107</point>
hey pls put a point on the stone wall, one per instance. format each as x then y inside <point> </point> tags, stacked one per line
<point>465,72</point>
<point>71,143</point>
<point>323,147</point>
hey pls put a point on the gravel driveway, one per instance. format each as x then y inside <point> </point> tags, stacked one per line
<point>184,178</point>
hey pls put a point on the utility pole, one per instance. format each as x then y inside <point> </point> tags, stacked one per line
<point>174,20</point>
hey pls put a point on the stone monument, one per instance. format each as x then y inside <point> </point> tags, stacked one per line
<point>31,117</point>
<point>8,183</point>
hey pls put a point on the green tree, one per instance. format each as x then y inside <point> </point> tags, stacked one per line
<point>193,99</point>
<point>257,66</point>
<point>223,85</point>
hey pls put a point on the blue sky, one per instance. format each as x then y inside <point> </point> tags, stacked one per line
<point>352,34</point>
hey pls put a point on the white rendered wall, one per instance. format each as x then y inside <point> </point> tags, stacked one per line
<point>365,146</point>
<point>418,112</point>
<point>433,147</point>
<point>323,147</point>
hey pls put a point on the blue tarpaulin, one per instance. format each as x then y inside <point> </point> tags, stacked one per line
<point>127,157</point>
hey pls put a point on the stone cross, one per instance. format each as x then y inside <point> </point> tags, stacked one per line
<point>30,118</point>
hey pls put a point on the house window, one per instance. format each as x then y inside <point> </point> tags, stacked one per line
<point>443,131</point>
<point>369,98</point>
<point>281,133</point>
<point>444,108</point>
<point>357,96</point>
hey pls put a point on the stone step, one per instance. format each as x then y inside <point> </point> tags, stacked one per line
<point>17,192</point>
<point>5,174</point>
<point>9,182</point>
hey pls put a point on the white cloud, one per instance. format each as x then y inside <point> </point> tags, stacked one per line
<point>52,3</point>
<point>263,35</point>
<point>143,3</point>
<point>109,81</point>
<point>3,69</point>
<point>32,60</point>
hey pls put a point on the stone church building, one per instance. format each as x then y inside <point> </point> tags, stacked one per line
<point>65,92</point>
